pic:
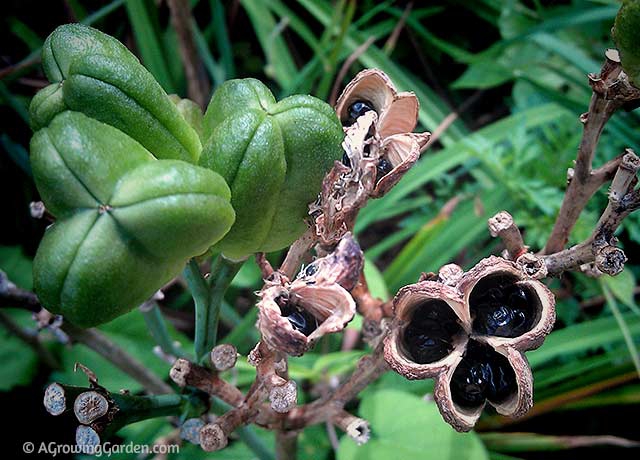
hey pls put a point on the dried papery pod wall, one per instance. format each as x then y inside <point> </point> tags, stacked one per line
<point>472,337</point>
<point>294,315</point>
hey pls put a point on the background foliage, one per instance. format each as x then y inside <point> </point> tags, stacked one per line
<point>512,73</point>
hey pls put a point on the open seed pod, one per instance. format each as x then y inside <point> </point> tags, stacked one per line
<point>431,330</point>
<point>483,375</point>
<point>506,306</point>
<point>294,315</point>
<point>394,147</point>
<point>372,89</point>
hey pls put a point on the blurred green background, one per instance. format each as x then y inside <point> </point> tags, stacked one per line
<point>509,78</point>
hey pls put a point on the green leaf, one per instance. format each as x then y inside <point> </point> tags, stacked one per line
<point>19,361</point>
<point>17,266</point>
<point>623,286</point>
<point>406,426</point>
<point>149,42</point>
<point>483,74</point>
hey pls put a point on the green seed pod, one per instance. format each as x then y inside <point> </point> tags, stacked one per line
<point>273,156</point>
<point>126,222</point>
<point>102,79</point>
<point>45,105</point>
<point>626,33</point>
<point>190,111</point>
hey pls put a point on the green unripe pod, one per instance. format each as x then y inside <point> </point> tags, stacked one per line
<point>102,79</point>
<point>126,222</point>
<point>46,104</point>
<point>190,112</point>
<point>274,156</point>
<point>626,33</point>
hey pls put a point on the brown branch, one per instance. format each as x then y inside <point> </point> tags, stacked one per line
<point>185,373</point>
<point>197,83</point>
<point>600,248</point>
<point>298,253</point>
<point>611,91</point>
<point>356,428</point>
<point>502,225</point>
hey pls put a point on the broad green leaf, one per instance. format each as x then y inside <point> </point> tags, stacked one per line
<point>406,426</point>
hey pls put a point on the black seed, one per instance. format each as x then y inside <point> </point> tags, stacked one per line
<point>300,320</point>
<point>502,308</point>
<point>357,109</point>
<point>345,160</point>
<point>482,374</point>
<point>430,333</point>
<point>310,270</point>
<point>383,168</point>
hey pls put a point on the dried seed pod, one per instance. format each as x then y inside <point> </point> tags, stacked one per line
<point>294,315</point>
<point>398,112</point>
<point>483,375</point>
<point>501,311</point>
<point>342,266</point>
<point>507,305</point>
<point>391,146</point>
<point>431,330</point>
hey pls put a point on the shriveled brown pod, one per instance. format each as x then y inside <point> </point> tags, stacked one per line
<point>294,315</point>
<point>507,305</point>
<point>430,330</point>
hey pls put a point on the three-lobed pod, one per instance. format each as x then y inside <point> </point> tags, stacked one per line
<point>470,331</point>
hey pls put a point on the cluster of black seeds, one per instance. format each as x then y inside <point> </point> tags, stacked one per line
<point>430,333</point>
<point>482,374</point>
<point>502,308</point>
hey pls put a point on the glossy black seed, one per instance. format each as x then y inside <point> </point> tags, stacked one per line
<point>357,109</point>
<point>346,160</point>
<point>502,308</point>
<point>383,168</point>
<point>300,319</point>
<point>311,270</point>
<point>482,374</point>
<point>430,332</point>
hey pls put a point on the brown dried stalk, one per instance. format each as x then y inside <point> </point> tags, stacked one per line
<point>611,90</point>
<point>599,248</point>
